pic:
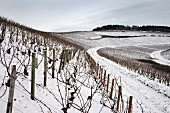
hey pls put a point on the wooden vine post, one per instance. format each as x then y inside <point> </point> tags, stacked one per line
<point>108,80</point>
<point>97,69</point>
<point>61,61</point>
<point>119,95</point>
<point>130,105</point>
<point>11,90</point>
<point>53,65</point>
<point>17,35</point>
<point>72,52</point>
<point>100,77</point>
<point>111,93</point>
<point>33,76</point>
<point>45,67</point>
<point>41,40</point>
<point>69,56</point>
<point>104,79</point>
<point>99,72</point>
<point>36,61</point>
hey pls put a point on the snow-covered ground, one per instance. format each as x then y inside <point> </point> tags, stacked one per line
<point>149,96</point>
<point>132,33</point>
<point>56,95</point>
<point>166,54</point>
<point>157,57</point>
<point>48,98</point>
<point>75,89</point>
<point>148,39</point>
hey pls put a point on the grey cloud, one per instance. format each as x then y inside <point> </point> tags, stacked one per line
<point>53,15</point>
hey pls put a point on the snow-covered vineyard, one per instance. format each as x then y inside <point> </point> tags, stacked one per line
<point>149,93</point>
<point>41,73</point>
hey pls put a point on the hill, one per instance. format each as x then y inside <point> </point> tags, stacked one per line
<point>133,28</point>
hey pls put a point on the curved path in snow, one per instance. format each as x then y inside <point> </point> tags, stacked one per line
<point>157,57</point>
<point>145,98</point>
<point>148,96</point>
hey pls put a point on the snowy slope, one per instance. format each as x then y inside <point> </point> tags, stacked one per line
<point>73,87</point>
<point>148,95</point>
<point>166,54</point>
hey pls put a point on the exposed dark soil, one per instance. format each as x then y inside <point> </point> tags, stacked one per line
<point>155,65</point>
<point>109,36</point>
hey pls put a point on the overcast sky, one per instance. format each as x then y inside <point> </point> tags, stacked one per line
<point>71,15</point>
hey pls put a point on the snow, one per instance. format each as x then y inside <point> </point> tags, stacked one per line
<point>157,57</point>
<point>132,33</point>
<point>148,95</point>
<point>23,103</point>
<point>166,54</point>
<point>148,39</point>
<point>55,96</point>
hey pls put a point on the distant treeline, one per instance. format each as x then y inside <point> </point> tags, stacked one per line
<point>134,28</point>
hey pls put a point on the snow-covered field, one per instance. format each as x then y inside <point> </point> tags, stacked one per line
<point>166,54</point>
<point>149,96</point>
<point>132,33</point>
<point>148,39</point>
<point>56,95</point>
<point>75,87</point>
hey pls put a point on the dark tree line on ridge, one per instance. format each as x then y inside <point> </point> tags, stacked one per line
<point>134,28</point>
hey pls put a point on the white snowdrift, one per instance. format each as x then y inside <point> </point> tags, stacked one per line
<point>157,57</point>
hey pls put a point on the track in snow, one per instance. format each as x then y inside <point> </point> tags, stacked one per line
<point>145,98</point>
